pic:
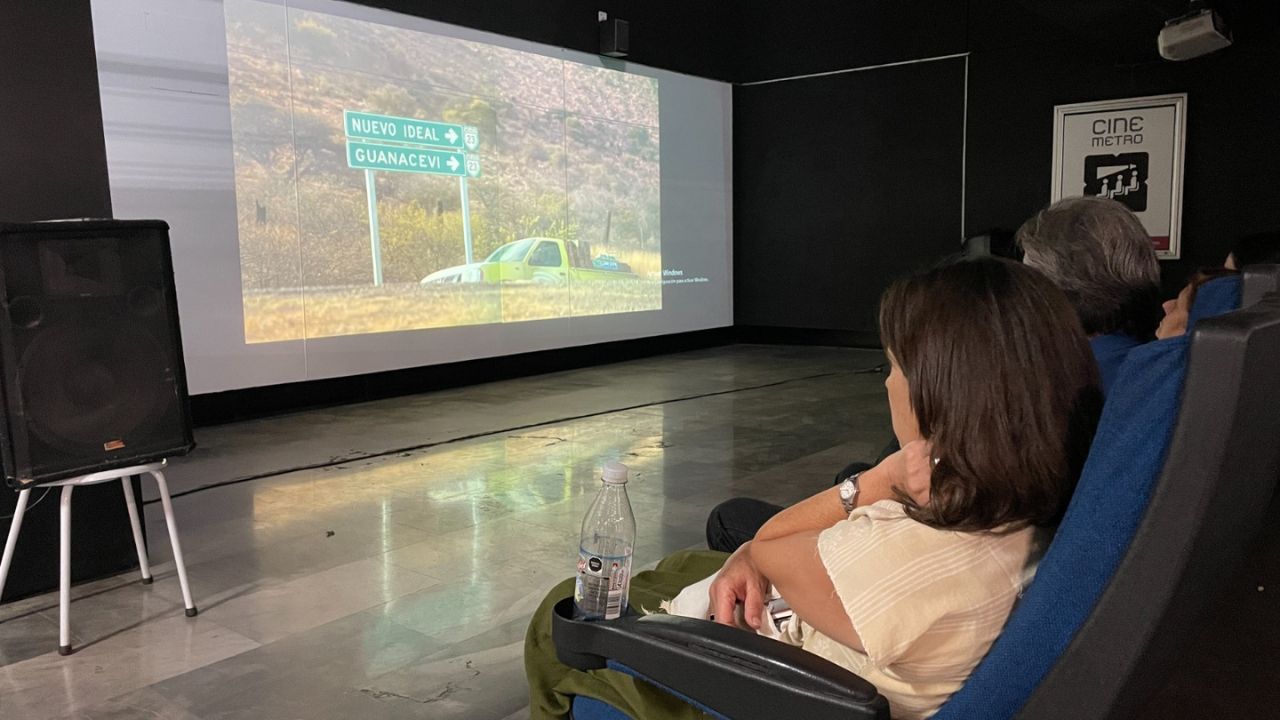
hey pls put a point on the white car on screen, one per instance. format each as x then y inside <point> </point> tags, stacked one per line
<point>457,274</point>
<point>537,260</point>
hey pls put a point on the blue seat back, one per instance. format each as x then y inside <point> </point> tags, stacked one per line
<point>1115,487</point>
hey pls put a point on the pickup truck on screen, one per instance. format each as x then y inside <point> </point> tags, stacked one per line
<point>536,260</point>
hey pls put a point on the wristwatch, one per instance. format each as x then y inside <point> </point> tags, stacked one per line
<point>849,492</point>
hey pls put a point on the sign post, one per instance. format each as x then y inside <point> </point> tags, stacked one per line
<point>466,218</point>
<point>397,144</point>
<point>471,168</point>
<point>375,242</point>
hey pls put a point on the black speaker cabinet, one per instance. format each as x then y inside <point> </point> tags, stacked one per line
<point>91,367</point>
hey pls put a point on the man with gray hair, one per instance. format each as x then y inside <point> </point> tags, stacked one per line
<point>1099,254</point>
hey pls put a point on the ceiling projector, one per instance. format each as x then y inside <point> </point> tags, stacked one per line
<point>1197,33</point>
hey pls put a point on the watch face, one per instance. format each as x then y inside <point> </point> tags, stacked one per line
<point>849,493</point>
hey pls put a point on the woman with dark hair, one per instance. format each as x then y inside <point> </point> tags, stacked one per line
<point>906,573</point>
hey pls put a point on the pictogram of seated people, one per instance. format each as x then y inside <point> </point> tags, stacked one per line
<point>1120,188</point>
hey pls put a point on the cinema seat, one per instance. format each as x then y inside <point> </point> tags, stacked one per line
<point>1175,486</point>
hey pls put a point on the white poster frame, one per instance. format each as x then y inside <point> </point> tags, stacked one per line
<point>1178,101</point>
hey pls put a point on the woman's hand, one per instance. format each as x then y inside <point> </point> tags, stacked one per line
<point>915,475</point>
<point>739,581</point>
<point>909,469</point>
<point>798,574</point>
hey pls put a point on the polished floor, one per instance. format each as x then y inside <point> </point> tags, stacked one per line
<point>382,560</point>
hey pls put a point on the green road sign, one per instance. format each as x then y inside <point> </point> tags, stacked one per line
<point>397,158</point>
<point>409,155</point>
<point>369,126</point>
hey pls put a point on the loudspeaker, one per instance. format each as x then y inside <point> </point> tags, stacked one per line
<point>615,37</point>
<point>91,367</point>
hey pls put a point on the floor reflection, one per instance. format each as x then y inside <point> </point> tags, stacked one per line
<point>365,587</point>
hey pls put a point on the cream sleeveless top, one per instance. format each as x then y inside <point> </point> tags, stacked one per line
<point>926,603</point>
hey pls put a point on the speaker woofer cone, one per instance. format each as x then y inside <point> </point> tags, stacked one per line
<point>91,388</point>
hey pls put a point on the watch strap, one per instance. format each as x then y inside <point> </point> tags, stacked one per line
<point>849,500</point>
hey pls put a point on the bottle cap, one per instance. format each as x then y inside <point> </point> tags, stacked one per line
<point>615,473</point>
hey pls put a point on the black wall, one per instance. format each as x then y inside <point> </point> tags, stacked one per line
<point>778,40</point>
<point>52,158</point>
<point>1232,144</point>
<point>698,38</point>
<point>1024,63</point>
<point>53,165</point>
<point>840,182</point>
<point>1025,56</point>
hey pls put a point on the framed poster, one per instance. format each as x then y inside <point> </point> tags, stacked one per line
<point>1128,150</point>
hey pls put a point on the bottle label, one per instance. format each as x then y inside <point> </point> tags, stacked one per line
<point>602,584</point>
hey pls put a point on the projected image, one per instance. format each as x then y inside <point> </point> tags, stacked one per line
<point>390,180</point>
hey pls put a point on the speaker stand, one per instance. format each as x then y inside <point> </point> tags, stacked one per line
<point>155,470</point>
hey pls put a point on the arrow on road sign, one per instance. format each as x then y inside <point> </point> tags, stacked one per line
<point>401,158</point>
<point>389,128</point>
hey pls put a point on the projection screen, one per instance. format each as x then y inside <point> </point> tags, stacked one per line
<point>352,190</point>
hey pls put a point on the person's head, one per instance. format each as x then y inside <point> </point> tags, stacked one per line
<point>1253,250</point>
<point>1178,309</point>
<point>1099,254</point>
<point>991,366</point>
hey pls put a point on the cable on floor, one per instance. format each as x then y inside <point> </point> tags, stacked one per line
<point>331,462</point>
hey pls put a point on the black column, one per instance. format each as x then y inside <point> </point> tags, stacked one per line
<point>53,164</point>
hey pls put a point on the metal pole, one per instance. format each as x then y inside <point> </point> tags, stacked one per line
<point>466,218</point>
<point>64,571</point>
<point>14,527</point>
<point>375,241</point>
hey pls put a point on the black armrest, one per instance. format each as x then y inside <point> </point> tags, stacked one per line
<point>738,674</point>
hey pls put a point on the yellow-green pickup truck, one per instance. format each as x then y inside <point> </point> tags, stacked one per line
<point>536,260</point>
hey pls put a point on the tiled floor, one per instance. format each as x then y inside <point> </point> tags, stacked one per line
<point>397,581</point>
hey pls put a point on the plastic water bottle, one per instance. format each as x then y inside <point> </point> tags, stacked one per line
<point>604,550</point>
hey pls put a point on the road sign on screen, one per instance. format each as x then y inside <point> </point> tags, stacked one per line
<point>370,126</point>
<point>374,156</point>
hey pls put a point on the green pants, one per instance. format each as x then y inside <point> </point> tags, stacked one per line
<point>553,685</point>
